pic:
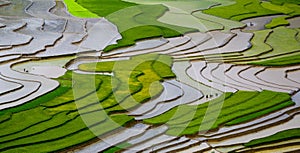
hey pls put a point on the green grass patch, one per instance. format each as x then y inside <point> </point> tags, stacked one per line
<point>140,74</point>
<point>130,36</point>
<point>141,23</point>
<point>268,50</point>
<point>162,67</point>
<point>5,117</point>
<point>38,101</point>
<point>242,9</point>
<point>282,53</point>
<point>237,108</point>
<point>18,122</point>
<point>103,7</point>
<point>293,59</point>
<point>279,8</point>
<point>276,22</point>
<point>280,2</point>
<point>79,11</point>
<point>135,22</point>
<point>64,87</point>
<point>278,137</point>
<point>260,113</point>
<point>258,44</point>
<point>149,81</point>
<point>56,120</point>
<point>181,114</point>
<point>117,148</point>
<point>69,134</point>
<point>56,124</point>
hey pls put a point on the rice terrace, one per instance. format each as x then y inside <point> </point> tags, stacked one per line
<point>208,76</point>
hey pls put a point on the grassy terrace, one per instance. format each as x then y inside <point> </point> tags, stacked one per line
<point>250,9</point>
<point>117,148</point>
<point>86,106</point>
<point>56,123</point>
<point>256,8</point>
<point>79,11</point>
<point>278,137</point>
<point>282,53</point>
<point>267,49</point>
<point>135,22</point>
<point>65,87</point>
<point>237,108</point>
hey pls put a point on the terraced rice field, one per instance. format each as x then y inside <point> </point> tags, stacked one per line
<point>208,76</point>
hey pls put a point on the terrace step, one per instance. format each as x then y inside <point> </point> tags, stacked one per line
<point>271,119</point>
<point>64,46</point>
<point>167,144</point>
<point>294,75</point>
<point>238,43</point>
<point>139,46</point>
<point>41,9</point>
<point>217,39</point>
<point>40,41</point>
<point>190,95</point>
<point>171,44</point>
<point>258,23</point>
<point>195,40</point>
<point>60,10</point>
<point>170,92</point>
<point>8,86</point>
<point>114,139</point>
<point>11,11</point>
<point>179,146</point>
<point>9,35</point>
<point>34,86</point>
<point>258,134</point>
<point>108,32</point>
<point>148,144</point>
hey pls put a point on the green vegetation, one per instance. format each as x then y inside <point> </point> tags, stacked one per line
<point>103,7</point>
<point>140,22</point>
<point>278,8</point>
<point>280,136</point>
<point>162,68</point>
<point>276,22</point>
<point>250,9</point>
<point>259,46</point>
<point>267,49</point>
<point>283,53</point>
<point>68,134</point>
<point>257,8</point>
<point>61,90</point>
<point>5,117</point>
<point>293,59</point>
<point>260,113</point>
<point>79,115</point>
<point>280,2</point>
<point>134,23</point>
<point>226,23</point>
<point>117,148</point>
<point>78,10</point>
<point>237,108</point>
<point>147,84</point>
<point>187,6</point>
